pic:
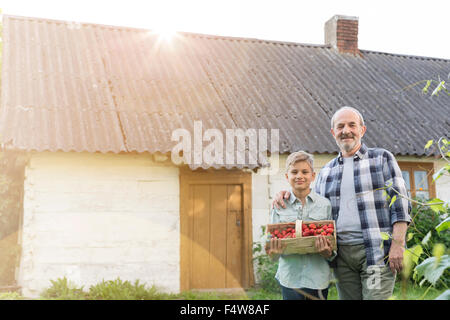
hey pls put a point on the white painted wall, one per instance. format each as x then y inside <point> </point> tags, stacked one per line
<point>91,217</point>
<point>443,183</point>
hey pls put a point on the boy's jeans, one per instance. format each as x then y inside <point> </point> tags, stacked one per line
<point>355,281</point>
<point>293,294</point>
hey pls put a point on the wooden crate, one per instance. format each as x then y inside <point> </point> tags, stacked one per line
<point>300,244</point>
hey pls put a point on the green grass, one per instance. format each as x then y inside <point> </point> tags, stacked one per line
<point>62,290</point>
<point>415,292</point>
<point>412,292</point>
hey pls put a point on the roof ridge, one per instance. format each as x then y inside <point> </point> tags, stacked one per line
<point>222,37</point>
<point>249,39</point>
<point>184,33</point>
<point>405,55</point>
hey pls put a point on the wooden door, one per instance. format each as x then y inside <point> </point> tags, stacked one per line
<point>213,228</point>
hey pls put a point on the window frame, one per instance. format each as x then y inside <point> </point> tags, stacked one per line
<point>419,166</point>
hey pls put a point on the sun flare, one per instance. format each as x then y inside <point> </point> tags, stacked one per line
<point>165,32</point>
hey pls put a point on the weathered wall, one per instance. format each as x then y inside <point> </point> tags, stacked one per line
<point>91,217</point>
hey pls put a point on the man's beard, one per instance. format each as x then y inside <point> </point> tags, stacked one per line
<point>346,146</point>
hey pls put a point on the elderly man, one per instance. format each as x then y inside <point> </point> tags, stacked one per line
<point>354,182</point>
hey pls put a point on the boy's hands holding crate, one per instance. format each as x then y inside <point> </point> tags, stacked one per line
<point>302,237</point>
<point>323,246</point>
<point>274,247</point>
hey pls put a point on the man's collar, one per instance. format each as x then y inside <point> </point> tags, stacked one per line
<point>360,154</point>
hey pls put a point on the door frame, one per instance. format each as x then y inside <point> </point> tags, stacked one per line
<point>213,176</point>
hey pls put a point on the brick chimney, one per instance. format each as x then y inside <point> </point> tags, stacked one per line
<point>341,32</point>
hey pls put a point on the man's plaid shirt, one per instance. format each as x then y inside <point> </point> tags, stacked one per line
<point>374,169</point>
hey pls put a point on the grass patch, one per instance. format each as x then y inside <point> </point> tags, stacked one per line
<point>412,291</point>
<point>63,289</point>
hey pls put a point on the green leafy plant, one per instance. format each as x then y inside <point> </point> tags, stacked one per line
<point>427,259</point>
<point>63,289</point>
<point>266,268</point>
<point>10,296</point>
<point>121,290</point>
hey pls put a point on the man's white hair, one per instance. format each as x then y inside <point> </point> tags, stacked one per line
<point>361,119</point>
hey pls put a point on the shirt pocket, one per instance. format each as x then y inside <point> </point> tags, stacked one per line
<point>317,213</point>
<point>287,216</point>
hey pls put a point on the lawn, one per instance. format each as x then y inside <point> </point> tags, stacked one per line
<point>412,292</point>
<point>124,290</point>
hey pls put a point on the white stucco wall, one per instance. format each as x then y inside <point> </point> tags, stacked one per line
<point>91,217</point>
<point>443,183</point>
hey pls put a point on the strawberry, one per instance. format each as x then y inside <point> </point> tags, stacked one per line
<point>312,226</point>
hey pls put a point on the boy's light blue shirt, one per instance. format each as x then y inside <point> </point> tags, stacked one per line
<point>303,270</point>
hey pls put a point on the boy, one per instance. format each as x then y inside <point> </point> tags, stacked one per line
<point>302,276</point>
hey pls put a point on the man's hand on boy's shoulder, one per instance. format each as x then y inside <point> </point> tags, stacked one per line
<point>279,199</point>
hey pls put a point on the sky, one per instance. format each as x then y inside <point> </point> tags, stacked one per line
<point>413,27</point>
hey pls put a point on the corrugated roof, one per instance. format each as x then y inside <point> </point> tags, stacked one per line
<point>85,87</point>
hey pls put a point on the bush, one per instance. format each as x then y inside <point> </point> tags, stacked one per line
<point>63,289</point>
<point>265,268</point>
<point>123,290</point>
<point>422,232</point>
<point>10,296</point>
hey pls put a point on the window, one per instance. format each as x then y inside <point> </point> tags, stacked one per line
<point>418,177</point>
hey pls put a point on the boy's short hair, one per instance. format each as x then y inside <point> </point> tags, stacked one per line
<point>297,156</point>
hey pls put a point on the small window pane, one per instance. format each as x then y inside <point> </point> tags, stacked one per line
<point>405,175</point>
<point>424,195</point>
<point>421,180</point>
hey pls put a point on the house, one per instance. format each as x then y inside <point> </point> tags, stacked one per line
<point>94,109</point>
